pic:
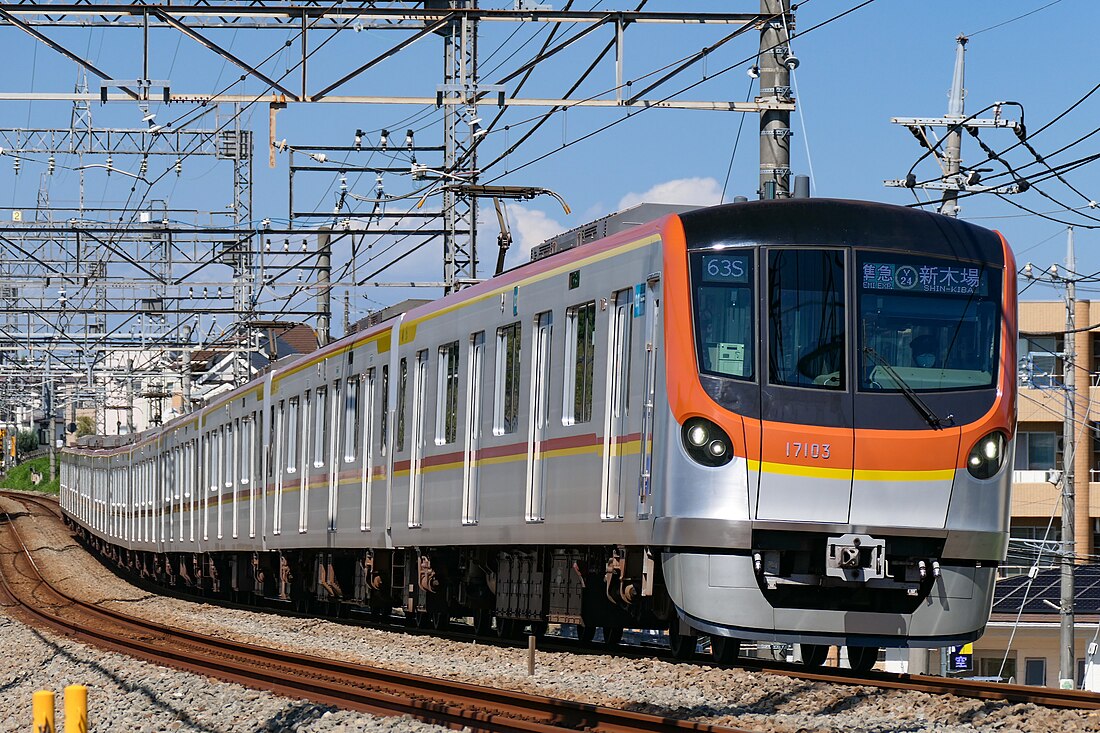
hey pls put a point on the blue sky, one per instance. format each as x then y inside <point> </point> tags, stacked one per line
<point>889,58</point>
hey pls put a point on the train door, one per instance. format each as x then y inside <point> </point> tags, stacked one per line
<point>806,392</point>
<point>540,396</point>
<point>652,331</point>
<point>615,479</point>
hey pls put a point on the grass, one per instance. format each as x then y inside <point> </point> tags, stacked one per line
<point>19,477</point>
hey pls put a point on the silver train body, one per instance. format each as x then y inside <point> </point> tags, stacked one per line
<point>520,449</point>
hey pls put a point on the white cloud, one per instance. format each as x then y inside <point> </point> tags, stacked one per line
<point>530,228</point>
<point>692,191</point>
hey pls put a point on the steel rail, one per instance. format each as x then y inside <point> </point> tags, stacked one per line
<point>1046,696</point>
<point>347,685</point>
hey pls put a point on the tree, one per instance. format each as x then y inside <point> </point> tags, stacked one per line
<point>85,425</point>
<point>26,442</point>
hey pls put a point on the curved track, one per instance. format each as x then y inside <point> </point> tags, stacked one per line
<point>350,686</point>
<point>381,691</point>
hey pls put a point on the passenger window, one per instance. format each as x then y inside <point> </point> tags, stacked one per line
<point>580,360</point>
<point>446,417</point>
<point>293,429</point>
<point>320,426</point>
<point>506,404</point>
<point>384,430</point>
<point>351,419</point>
<point>402,386</point>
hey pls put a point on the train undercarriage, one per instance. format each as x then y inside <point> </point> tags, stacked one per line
<point>504,591</point>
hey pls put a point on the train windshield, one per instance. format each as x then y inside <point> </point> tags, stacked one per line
<point>723,300</point>
<point>926,323</point>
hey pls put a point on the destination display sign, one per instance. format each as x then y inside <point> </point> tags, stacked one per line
<point>727,268</point>
<point>924,277</point>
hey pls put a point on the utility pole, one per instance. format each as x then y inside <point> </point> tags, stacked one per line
<point>953,149</point>
<point>1066,656</point>
<point>776,64</point>
<point>948,151</point>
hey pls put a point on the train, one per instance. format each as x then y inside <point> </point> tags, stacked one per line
<point>781,421</point>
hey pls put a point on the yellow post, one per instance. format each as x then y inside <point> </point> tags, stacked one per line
<point>76,709</point>
<point>43,712</point>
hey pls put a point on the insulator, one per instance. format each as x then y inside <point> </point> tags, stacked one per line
<point>305,246</point>
<point>16,164</point>
<point>935,568</point>
<point>286,245</point>
<point>179,166</point>
<point>267,245</point>
<point>922,568</point>
<point>219,292</point>
<point>409,139</point>
<point>110,164</point>
<point>384,139</point>
<point>204,293</point>
<point>50,165</point>
<point>343,183</point>
<point>144,166</point>
<point>757,562</point>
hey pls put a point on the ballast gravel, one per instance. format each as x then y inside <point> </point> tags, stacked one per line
<point>739,698</point>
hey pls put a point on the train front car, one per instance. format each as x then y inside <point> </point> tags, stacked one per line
<point>841,392</point>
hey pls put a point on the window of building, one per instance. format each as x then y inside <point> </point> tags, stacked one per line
<point>446,419</point>
<point>991,667</point>
<point>1040,360</point>
<point>1035,672</point>
<point>580,360</point>
<point>1031,542</point>
<point>1038,450</point>
<point>506,404</point>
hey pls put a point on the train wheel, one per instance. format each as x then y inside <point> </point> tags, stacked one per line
<point>612,635</point>
<point>439,620</point>
<point>814,655</point>
<point>483,622</point>
<point>724,649</point>
<point>507,628</point>
<point>862,658</point>
<point>585,633</point>
<point>682,645</point>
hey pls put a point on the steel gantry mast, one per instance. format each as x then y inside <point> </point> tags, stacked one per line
<point>90,288</point>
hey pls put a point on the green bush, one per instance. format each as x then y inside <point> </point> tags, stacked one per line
<point>19,477</point>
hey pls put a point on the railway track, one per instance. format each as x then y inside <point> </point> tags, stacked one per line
<point>350,686</point>
<point>385,692</point>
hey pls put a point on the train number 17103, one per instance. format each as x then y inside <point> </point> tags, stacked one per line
<point>808,450</point>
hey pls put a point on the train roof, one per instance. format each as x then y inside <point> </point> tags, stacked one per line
<point>842,222</point>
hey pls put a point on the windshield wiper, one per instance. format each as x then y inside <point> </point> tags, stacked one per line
<point>914,399</point>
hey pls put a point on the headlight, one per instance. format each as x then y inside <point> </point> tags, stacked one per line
<point>706,443</point>
<point>987,455</point>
